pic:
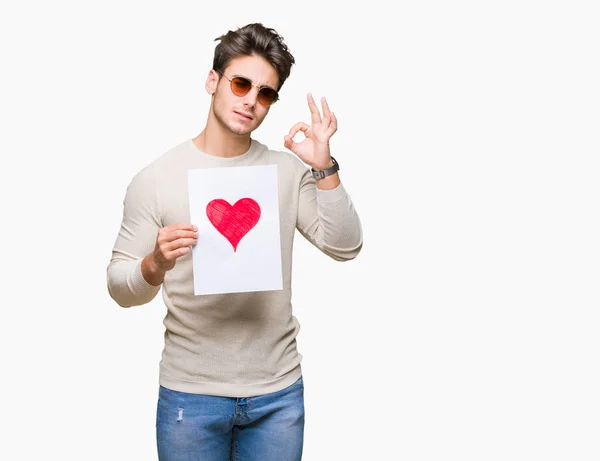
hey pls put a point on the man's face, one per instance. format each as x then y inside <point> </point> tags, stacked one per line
<point>241,114</point>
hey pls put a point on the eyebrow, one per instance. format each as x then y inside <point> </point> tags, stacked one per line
<point>262,86</point>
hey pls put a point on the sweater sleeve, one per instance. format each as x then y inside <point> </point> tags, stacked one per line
<point>136,239</point>
<point>328,219</point>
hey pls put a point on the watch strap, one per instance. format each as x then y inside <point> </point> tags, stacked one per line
<point>320,174</point>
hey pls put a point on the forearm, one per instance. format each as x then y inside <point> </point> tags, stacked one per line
<point>333,225</point>
<point>329,182</point>
<point>340,229</point>
<point>128,283</point>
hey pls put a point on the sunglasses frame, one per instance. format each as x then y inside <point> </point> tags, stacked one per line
<point>251,85</point>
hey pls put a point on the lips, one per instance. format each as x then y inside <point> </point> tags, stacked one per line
<point>249,117</point>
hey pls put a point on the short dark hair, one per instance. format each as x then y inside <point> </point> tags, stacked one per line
<point>254,39</point>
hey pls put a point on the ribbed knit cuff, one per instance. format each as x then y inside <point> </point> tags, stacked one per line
<point>139,285</point>
<point>332,195</point>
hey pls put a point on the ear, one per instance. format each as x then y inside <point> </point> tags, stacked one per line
<point>212,80</point>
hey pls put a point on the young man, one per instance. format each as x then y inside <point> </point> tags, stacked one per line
<point>230,376</point>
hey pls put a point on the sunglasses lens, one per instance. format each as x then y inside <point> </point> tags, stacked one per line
<point>267,96</point>
<point>240,86</point>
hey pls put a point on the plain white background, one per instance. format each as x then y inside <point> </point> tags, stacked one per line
<point>468,139</point>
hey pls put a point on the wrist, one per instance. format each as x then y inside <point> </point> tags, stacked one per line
<point>151,271</point>
<point>323,165</point>
<point>322,173</point>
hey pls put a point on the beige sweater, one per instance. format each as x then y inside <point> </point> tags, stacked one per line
<point>235,344</point>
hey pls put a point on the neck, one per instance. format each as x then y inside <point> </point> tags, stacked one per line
<point>218,141</point>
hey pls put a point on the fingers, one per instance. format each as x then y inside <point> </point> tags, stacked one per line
<point>181,226</point>
<point>172,242</point>
<point>328,116</point>
<point>315,116</point>
<point>288,140</point>
<point>333,125</point>
<point>168,258</point>
<point>177,231</point>
<point>289,143</point>
<point>178,235</point>
<point>327,125</point>
<point>179,243</point>
<point>326,111</point>
<point>300,126</point>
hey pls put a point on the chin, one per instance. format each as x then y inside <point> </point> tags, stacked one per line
<point>240,130</point>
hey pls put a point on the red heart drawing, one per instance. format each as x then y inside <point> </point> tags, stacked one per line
<point>233,222</point>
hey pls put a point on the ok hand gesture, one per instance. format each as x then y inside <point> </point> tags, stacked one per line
<point>314,149</point>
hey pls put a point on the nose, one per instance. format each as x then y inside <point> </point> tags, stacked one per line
<point>251,98</point>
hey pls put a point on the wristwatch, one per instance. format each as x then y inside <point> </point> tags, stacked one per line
<point>320,174</point>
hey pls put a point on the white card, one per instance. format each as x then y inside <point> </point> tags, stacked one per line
<point>236,210</point>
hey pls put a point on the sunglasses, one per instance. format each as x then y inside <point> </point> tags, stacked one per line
<point>241,86</point>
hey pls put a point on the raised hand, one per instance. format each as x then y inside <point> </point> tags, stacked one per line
<point>314,149</point>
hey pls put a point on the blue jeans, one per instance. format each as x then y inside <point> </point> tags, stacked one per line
<point>196,427</point>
